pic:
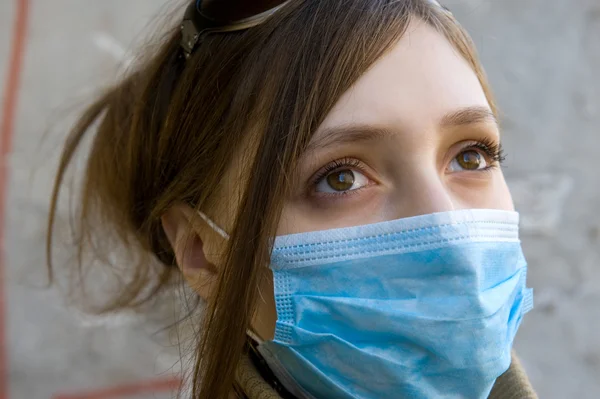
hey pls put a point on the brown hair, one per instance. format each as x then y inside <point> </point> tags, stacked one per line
<point>168,133</point>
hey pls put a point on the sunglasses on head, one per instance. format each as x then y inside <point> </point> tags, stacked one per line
<point>211,16</point>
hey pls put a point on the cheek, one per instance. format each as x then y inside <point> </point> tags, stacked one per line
<point>265,317</point>
<point>501,197</point>
<point>304,215</point>
<point>488,193</point>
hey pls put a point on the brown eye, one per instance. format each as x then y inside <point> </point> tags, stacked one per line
<point>468,160</point>
<point>342,180</point>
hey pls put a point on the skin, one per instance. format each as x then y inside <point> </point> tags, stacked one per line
<point>429,109</point>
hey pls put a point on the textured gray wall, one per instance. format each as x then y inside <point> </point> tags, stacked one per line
<point>542,58</point>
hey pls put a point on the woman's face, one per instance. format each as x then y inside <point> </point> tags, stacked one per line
<point>414,135</point>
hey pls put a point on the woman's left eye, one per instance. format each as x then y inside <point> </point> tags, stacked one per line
<point>341,181</point>
<point>468,160</point>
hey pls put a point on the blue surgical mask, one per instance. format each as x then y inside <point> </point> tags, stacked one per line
<point>422,307</point>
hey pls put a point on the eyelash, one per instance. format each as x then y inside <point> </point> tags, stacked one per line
<point>489,147</point>
<point>335,165</point>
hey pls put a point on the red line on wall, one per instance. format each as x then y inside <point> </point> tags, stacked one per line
<point>149,386</point>
<point>7,125</point>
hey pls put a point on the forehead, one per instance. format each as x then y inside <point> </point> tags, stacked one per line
<point>419,80</point>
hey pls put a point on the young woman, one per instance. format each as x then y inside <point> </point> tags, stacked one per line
<point>326,176</point>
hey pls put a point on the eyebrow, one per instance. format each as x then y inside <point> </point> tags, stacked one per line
<point>349,134</point>
<point>469,116</point>
<point>362,133</point>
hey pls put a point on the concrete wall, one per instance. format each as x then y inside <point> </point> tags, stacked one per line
<point>542,57</point>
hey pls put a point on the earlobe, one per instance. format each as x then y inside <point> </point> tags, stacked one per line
<point>189,251</point>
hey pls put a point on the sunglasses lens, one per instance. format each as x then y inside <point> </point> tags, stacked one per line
<point>235,10</point>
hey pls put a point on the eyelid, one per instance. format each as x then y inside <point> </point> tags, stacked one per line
<point>337,165</point>
<point>491,148</point>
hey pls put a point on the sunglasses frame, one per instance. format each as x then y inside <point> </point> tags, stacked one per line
<point>195,23</point>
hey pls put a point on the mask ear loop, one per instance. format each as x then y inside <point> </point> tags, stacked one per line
<point>252,334</point>
<point>214,226</point>
<point>226,236</point>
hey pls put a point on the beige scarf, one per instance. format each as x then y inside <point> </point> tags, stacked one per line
<point>513,384</point>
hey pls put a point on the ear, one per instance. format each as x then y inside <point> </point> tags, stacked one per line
<point>189,249</point>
